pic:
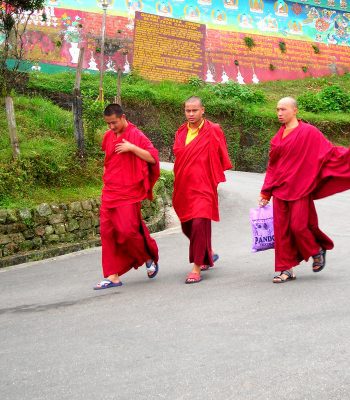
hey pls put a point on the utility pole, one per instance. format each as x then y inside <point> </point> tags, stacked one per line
<point>104,4</point>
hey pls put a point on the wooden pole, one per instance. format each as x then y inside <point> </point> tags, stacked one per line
<point>118,97</point>
<point>77,108</point>
<point>11,120</point>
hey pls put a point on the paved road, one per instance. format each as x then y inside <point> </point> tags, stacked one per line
<point>233,336</point>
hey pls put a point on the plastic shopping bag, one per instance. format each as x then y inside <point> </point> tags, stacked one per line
<point>261,220</point>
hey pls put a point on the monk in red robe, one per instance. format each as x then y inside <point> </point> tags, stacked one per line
<point>131,168</point>
<point>303,166</point>
<point>201,158</point>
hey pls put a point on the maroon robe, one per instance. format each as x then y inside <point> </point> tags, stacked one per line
<point>199,168</point>
<point>127,180</point>
<point>302,167</point>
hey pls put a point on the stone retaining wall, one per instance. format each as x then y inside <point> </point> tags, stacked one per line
<point>55,229</point>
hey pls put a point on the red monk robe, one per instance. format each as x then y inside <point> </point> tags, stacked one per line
<point>127,180</point>
<point>302,167</point>
<point>199,168</point>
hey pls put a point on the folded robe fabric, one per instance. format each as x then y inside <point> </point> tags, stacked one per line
<point>199,168</point>
<point>128,179</point>
<point>304,163</point>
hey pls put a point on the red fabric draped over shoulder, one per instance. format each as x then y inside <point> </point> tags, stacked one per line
<point>305,162</point>
<point>128,179</point>
<point>199,168</point>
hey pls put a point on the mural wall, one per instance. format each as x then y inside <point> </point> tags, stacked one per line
<point>291,38</point>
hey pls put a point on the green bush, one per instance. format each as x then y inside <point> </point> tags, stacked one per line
<point>334,98</point>
<point>331,98</point>
<point>233,90</point>
<point>309,101</point>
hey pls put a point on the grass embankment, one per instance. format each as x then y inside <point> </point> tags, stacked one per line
<point>48,169</point>
<point>248,121</point>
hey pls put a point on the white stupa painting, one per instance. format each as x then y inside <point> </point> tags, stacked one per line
<point>255,79</point>
<point>92,63</point>
<point>209,77</point>
<point>224,77</point>
<point>240,78</point>
<point>110,66</point>
<point>126,68</point>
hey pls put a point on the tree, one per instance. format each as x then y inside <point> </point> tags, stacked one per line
<point>14,17</point>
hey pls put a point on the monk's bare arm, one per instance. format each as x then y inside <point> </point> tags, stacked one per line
<point>126,147</point>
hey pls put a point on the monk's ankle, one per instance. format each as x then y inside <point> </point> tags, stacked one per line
<point>113,278</point>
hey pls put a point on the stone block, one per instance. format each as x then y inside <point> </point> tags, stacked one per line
<point>52,238</point>
<point>16,237</point>
<point>56,219</point>
<point>3,216</point>
<point>89,214</point>
<point>12,216</point>
<point>9,249</point>
<point>95,221</point>
<point>25,215</point>
<point>49,230</point>
<point>60,228</point>
<point>72,225</point>
<point>44,210</point>
<point>40,220</point>
<point>68,237</point>
<point>98,201</point>
<point>29,234</point>
<point>63,207</point>
<point>37,242</point>
<point>75,206</point>
<point>16,227</point>
<point>26,245</point>
<point>40,230</point>
<point>86,205</point>
<point>85,223</point>
<point>82,234</point>
<point>4,239</point>
<point>55,208</point>
<point>3,229</point>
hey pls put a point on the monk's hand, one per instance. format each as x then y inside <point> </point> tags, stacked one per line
<point>263,202</point>
<point>124,147</point>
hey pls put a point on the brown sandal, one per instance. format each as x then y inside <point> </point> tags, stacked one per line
<point>290,277</point>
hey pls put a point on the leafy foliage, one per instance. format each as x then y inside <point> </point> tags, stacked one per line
<point>316,49</point>
<point>331,98</point>
<point>243,93</point>
<point>282,46</point>
<point>249,42</point>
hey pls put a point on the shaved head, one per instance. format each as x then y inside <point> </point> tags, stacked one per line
<point>287,109</point>
<point>194,99</point>
<point>289,101</point>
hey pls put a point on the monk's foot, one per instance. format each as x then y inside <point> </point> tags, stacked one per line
<point>284,276</point>
<point>319,261</point>
<point>152,268</point>
<point>193,277</point>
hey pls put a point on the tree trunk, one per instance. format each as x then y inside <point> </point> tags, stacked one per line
<point>11,120</point>
<point>78,109</point>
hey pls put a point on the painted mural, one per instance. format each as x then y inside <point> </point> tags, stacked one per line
<point>302,26</point>
<point>305,20</point>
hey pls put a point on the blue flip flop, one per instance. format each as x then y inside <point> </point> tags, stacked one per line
<point>152,267</point>
<point>206,267</point>
<point>106,284</point>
